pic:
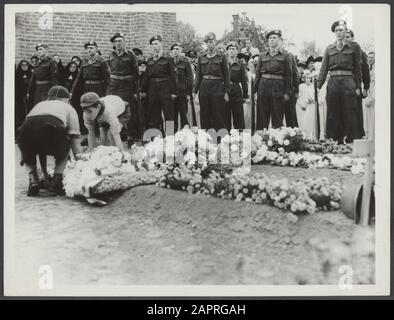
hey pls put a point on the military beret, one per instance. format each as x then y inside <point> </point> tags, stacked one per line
<point>246,57</point>
<point>41,45</point>
<point>338,23</point>
<point>301,64</point>
<point>176,44</point>
<point>272,32</point>
<point>209,36</point>
<point>232,44</point>
<point>191,54</point>
<point>154,38</point>
<point>137,51</point>
<point>117,35</point>
<point>90,43</point>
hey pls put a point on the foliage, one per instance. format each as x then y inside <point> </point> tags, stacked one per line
<point>187,35</point>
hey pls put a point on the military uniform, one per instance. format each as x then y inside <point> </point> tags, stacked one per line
<point>238,79</point>
<point>44,76</point>
<point>124,83</point>
<point>185,87</point>
<point>366,80</point>
<point>343,61</point>
<point>273,80</point>
<point>160,82</point>
<point>93,76</point>
<point>212,82</point>
<point>290,105</point>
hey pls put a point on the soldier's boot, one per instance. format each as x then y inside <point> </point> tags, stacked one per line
<point>33,189</point>
<point>56,184</point>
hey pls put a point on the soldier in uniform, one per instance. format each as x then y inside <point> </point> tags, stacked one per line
<point>366,80</point>
<point>238,79</point>
<point>343,60</point>
<point>212,84</point>
<point>160,85</point>
<point>93,75</point>
<point>44,76</point>
<point>185,85</point>
<point>273,83</point>
<point>124,83</point>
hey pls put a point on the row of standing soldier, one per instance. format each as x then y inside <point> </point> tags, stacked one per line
<point>220,84</point>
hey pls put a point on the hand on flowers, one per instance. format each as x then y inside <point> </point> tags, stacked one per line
<point>226,97</point>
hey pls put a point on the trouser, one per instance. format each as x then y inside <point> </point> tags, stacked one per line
<point>360,117</point>
<point>270,103</point>
<point>180,109</point>
<point>341,109</point>
<point>40,93</point>
<point>125,90</point>
<point>213,109</point>
<point>235,108</point>
<point>159,100</point>
<point>290,112</point>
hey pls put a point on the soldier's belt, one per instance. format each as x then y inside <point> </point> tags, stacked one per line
<point>92,81</point>
<point>117,77</point>
<point>211,77</point>
<point>159,79</point>
<point>273,76</point>
<point>38,83</point>
<point>335,73</point>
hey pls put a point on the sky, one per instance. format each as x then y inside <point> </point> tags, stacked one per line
<point>297,22</point>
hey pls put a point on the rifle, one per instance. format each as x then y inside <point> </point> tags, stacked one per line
<point>317,109</point>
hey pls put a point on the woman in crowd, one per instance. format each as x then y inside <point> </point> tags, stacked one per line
<point>77,60</point>
<point>61,70</point>
<point>22,79</point>
<point>369,101</point>
<point>70,75</point>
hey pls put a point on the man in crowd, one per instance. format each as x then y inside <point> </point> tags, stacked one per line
<point>110,114</point>
<point>51,128</point>
<point>93,74</point>
<point>212,84</point>
<point>34,60</point>
<point>44,76</point>
<point>124,83</point>
<point>249,49</point>
<point>273,83</point>
<point>185,85</point>
<point>238,88</point>
<point>343,60</point>
<point>192,55</point>
<point>366,81</point>
<point>160,86</point>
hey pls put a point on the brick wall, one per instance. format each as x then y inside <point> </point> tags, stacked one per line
<point>71,30</point>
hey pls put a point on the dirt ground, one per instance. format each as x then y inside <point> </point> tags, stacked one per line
<point>150,235</point>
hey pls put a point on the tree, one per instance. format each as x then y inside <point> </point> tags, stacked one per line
<point>187,35</point>
<point>310,49</point>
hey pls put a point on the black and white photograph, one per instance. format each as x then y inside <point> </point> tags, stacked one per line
<point>197,149</point>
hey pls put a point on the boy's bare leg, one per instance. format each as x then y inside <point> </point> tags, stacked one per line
<point>43,165</point>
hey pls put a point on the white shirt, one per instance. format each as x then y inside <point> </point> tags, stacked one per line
<point>61,110</point>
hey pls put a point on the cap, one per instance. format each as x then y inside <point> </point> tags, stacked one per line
<point>137,51</point>
<point>88,99</point>
<point>90,43</point>
<point>41,45</point>
<point>272,32</point>
<point>191,54</point>
<point>58,92</point>
<point>176,44</point>
<point>232,44</point>
<point>338,23</point>
<point>154,38</point>
<point>209,36</point>
<point>117,35</point>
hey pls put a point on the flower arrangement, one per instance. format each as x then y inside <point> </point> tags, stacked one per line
<point>300,196</point>
<point>326,146</point>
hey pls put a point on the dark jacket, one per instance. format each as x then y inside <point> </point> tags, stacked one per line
<point>124,65</point>
<point>184,76</point>
<point>280,64</point>
<point>164,67</point>
<point>46,70</point>
<point>349,58</point>
<point>216,65</point>
<point>96,70</point>
<point>238,75</point>
<point>365,74</point>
